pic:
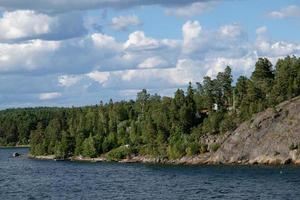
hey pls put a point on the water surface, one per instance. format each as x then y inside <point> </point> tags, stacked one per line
<point>23,178</point>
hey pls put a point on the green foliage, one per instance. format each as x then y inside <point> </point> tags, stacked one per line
<point>214,147</point>
<point>212,123</point>
<point>89,149</point>
<point>193,148</point>
<point>203,148</point>
<point>228,123</point>
<point>119,153</point>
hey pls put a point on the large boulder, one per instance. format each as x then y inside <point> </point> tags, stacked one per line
<point>16,154</point>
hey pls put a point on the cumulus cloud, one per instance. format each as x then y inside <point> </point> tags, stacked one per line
<point>24,23</point>
<point>191,31</point>
<point>29,24</point>
<point>277,49</point>
<point>138,41</point>
<point>99,66</point>
<point>49,96</point>
<point>191,9</point>
<point>103,52</point>
<point>122,23</point>
<point>68,80</point>
<point>81,55</point>
<point>27,56</point>
<point>103,41</point>
<point>231,31</point>
<point>153,62</point>
<point>286,12</point>
<point>100,77</point>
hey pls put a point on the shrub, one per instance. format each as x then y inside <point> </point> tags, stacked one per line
<point>212,123</point>
<point>119,153</point>
<point>214,147</point>
<point>192,149</point>
<point>89,149</point>
<point>228,124</point>
<point>203,148</point>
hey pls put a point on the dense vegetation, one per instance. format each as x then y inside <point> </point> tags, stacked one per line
<point>151,125</point>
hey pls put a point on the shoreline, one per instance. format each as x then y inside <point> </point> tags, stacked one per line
<point>189,161</point>
<point>18,146</point>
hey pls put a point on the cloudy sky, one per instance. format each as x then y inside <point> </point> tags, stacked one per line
<point>66,52</point>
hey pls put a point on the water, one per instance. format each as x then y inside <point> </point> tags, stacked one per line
<point>23,178</point>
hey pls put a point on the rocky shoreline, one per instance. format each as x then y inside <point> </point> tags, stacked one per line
<point>203,159</point>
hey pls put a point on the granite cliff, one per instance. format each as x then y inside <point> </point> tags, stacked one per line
<point>270,137</point>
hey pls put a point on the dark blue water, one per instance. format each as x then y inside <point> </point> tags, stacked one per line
<point>22,178</point>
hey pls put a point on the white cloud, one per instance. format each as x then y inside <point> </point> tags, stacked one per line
<point>196,8</point>
<point>138,41</point>
<point>277,49</point>
<point>240,66</point>
<point>122,23</point>
<point>100,77</point>
<point>231,31</point>
<point>29,24</point>
<point>153,62</point>
<point>68,80</point>
<point>191,31</point>
<point>104,41</point>
<point>26,56</point>
<point>24,23</point>
<point>286,12</point>
<point>49,96</point>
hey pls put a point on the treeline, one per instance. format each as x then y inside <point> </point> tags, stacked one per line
<point>152,125</point>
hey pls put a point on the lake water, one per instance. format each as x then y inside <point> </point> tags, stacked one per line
<point>23,178</point>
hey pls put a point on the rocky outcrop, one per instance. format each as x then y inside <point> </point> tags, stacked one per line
<point>271,137</point>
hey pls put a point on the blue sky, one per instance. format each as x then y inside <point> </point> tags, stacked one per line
<point>65,53</point>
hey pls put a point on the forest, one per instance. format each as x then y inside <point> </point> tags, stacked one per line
<point>162,127</point>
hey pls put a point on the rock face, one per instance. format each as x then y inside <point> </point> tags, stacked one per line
<point>271,137</point>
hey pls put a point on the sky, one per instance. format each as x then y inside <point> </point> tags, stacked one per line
<point>73,53</point>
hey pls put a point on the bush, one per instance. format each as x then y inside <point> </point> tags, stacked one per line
<point>176,151</point>
<point>192,149</point>
<point>212,123</point>
<point>203,148</point>
<point>119,153</point>
<point>59,151</point>
<point>214,147</point>
<point>89,149</point>
<point>228,124</point>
